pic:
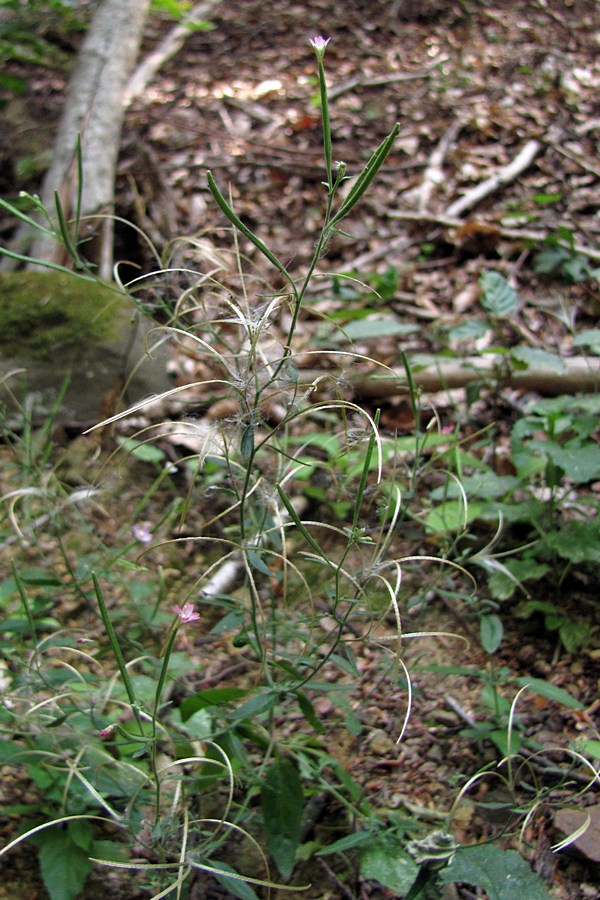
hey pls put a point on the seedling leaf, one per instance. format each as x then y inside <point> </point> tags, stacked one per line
<point>498,298</point>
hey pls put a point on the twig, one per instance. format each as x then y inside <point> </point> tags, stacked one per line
<point>397,245</point>
<point>504,176</point>
<point>515,234</point>
<point>378,81</point>
<point>460,711</point>
<point>576,158</point>
<point>344,892</point>
<point>167,48</point>
<point>434,175</point>
<point>224,578</point>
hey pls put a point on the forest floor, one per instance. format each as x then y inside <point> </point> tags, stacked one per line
<point>470,90</point>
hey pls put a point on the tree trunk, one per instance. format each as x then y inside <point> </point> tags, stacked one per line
<point>94,110</point>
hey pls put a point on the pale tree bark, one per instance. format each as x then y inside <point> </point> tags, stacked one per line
<point>569,376</point>
<point>94,110</point>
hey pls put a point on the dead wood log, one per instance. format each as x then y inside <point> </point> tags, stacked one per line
<point>579,374</point>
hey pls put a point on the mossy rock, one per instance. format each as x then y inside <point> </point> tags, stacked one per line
<point>54,325</point>
<point>47,313</point>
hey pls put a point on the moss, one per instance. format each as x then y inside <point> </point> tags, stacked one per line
<point>48,313</point>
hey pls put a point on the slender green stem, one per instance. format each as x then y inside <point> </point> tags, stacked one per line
<point>116,648</point>
<point>157,700</point>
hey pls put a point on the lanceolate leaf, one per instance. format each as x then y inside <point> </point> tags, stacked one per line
<point>367,175</point>
<point>235,220</point>
<point>282,801</point>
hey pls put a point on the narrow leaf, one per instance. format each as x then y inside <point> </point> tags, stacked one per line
<point>367,175</point>
<point>243,229</point>
<point>550,692</point>
<point>282,801</point>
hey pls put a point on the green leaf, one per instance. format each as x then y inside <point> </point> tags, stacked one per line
<point>210,697</point>
<point>580,464</point>
<point>589,748</point>
<point>198,726</point>
<point>550,691</point>
<point>142,451</point>
<point>544,199</point>
<point>470,330</point>
<point>308,711</point>
<point>237,222</point>
<point>256,561</point>
<point>551,259</point>
<point>255,706</point>
<point>578,542</point>
<point>503,874</point>
<point>64,866</point>
<point>532,356</point>
<point>589,338</point>
<point>247,442</point>
<point>282,802</point>
<point>451,516</point>
<point>491,633</point>
<point>503,586</point>
<point>388,863</point>
<point>110,850</point>
<point>374,327</point>
<point>80,833</point>
<point>349,842</point>
<point>498,298</point>
<point>235,887</point>
<point>574,635</point>
<point>367,175</point>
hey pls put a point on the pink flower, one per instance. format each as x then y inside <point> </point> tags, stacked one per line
<point>320,45</point>
<point>142,533</point>
<point>106,731</point>
<point>186,613</point>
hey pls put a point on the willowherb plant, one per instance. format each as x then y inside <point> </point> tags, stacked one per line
<point>288,589</point>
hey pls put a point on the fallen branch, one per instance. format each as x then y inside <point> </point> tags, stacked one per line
<point>434,174</point>
<point>379,81</point>
<point>514,234</point>
<point>575,375</point>
<point>167,48</point>
<point>504,176</point>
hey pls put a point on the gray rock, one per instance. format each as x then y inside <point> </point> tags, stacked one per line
<point>55,326</point>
